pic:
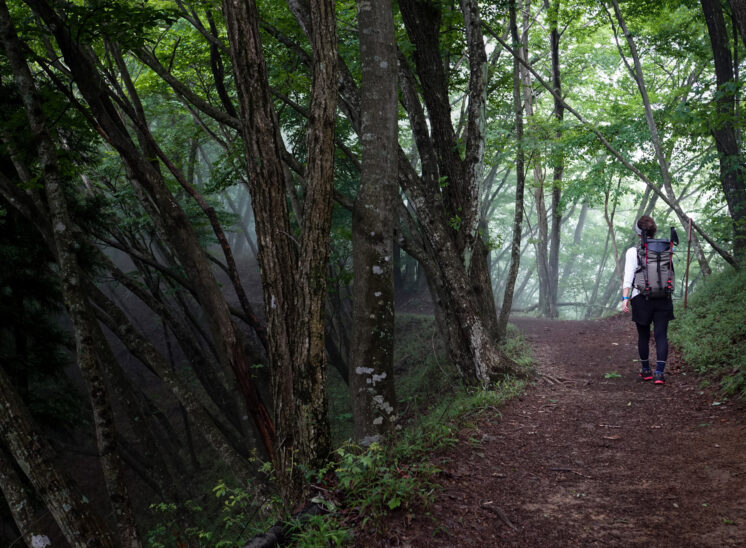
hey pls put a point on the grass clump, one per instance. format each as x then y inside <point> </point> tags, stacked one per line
<point>711,334</point>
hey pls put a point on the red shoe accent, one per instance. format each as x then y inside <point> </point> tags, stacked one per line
<point>659,381</point>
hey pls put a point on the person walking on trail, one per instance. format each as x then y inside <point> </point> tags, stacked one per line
<point>645,310</point>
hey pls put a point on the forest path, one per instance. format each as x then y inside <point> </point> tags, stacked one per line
<point>585,460</point>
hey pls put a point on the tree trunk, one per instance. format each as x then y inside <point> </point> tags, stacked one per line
<point>542,223</point>
<point>475,136</point>
<point>20,503</point>
<point>597,278</point>
<point>372,351</point>
<point>479,272</point>
<point>559,161</point>
<point>731,167</point>
<point>437,194</point>
<point>738,10</point>
<point>67,505</point>
<point>515,254</point>
<point>294,281</point>
<point>569,267</point>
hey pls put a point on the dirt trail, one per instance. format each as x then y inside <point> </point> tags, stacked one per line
<point>584,460</point>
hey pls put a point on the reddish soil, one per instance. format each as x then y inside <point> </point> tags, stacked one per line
<point>585,460</point>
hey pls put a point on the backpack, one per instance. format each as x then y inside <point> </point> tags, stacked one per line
<point>654,277</point>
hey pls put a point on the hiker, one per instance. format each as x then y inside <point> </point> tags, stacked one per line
<point>646,309</point>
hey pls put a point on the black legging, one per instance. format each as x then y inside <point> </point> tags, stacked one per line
<point>660,332</point>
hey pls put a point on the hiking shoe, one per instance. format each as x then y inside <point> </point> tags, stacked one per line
<point>658,378</point>
<point>646,374</point>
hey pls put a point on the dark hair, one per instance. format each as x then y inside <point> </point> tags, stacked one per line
<point>647,225</point>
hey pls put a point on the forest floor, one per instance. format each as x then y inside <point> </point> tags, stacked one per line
<point>587,458</point>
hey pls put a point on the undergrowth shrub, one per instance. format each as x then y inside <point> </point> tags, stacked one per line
<point>363,484</point>
<point>223,518</point>
<point>711,334</point>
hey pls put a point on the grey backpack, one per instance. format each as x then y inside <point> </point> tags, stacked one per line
<point>654,277</point>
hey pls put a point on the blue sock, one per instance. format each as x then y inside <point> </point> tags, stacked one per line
<point>660,366</point>
<point>645,364</point>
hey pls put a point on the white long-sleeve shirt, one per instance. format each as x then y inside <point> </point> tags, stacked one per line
<point>630,265</point>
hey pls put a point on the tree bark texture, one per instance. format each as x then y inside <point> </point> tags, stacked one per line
<point>20,503</point>
<point>479,272</point>
<point>476,126</point>
<point>731,167</point>
<point>294,280</point>
<point>372,351</point>
<point>309,368</point>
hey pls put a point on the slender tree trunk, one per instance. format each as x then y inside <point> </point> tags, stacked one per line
<point>559,162</point>
<point>313,437</point>
<point>475,137</point>
<point>372,352</point>
<point>597,278</point>
<point>541,243</point>
<point>515,254</point>
<point>609,218</point>
<point>569,267</point>
<point>738,10</point>
<point>724,131</point>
